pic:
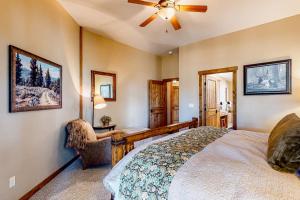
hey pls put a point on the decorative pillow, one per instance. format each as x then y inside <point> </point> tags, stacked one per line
<point>282,123</point>
<point>284,144</point>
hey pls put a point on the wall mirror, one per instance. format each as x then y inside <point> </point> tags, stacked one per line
<point>104,84</point>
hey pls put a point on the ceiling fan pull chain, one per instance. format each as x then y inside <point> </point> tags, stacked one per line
<point>167,31</point>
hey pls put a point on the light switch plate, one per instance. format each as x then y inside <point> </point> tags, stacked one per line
<point>12,182</point>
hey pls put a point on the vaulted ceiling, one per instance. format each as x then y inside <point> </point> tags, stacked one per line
<point>119,20</point>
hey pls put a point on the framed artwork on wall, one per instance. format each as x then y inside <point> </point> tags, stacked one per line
<point>105,91</point>
<point>268,78</point>
<point>35,83</point>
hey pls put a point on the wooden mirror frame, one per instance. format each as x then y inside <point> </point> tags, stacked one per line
<point>114,77</point>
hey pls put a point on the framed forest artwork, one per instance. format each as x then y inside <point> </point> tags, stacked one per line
<point>268,78</point>
<point>35,83</point>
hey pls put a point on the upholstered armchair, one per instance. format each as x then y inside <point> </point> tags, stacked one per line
<point>93,149</point>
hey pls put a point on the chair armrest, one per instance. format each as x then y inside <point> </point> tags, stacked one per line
<point>96,145</point>
<point>105,134</point>
<point>96,152</point>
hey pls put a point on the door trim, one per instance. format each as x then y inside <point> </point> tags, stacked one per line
<point>234,92</point>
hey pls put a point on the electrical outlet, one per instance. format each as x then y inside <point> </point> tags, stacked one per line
<point>12,182</point>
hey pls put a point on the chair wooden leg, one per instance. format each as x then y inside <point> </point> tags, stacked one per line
<point>84,165</point>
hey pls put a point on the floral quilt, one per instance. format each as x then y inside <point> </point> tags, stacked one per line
<point>150,172</point>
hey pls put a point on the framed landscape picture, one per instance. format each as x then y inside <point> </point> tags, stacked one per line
<point>268,78</point>
<point>35,83</point>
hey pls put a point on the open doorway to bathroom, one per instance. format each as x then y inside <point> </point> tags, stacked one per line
<point>172,100</point>
<point>217,97</point>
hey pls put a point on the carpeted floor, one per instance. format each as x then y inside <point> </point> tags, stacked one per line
<point>76,184</point>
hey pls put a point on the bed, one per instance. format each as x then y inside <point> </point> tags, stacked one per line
<point>233,166</point>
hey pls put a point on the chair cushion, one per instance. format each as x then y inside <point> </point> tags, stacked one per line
<point>284,144</point>
<point>91,135</point>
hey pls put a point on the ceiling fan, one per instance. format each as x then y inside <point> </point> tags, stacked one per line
<point>167,9</point>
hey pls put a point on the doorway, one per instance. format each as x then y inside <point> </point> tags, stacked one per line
<point>163,102</point>
<point>217,97</point>
<point>172,101</point>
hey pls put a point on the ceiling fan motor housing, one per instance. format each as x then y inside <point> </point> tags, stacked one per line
<point>166,4</point>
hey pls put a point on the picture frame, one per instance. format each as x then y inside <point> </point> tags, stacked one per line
<point>35,83</point>
<point>269,78</point>
<point>105,91</point>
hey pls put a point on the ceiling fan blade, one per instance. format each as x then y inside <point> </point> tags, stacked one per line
<point>175,23</point>
<point>149,20</point>
<point>140,2</point>
<point>191,8</point>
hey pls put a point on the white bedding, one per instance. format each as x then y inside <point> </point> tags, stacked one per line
<point>232,167</point>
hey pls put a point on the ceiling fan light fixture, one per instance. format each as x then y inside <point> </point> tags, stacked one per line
<point>167,9</point>
<point>167,13</point>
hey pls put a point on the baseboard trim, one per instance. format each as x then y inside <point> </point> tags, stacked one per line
<point>34,190</point>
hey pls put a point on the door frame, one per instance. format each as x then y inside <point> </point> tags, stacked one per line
<point>233,70</point>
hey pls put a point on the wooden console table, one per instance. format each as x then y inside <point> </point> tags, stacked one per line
<point>109,128</point>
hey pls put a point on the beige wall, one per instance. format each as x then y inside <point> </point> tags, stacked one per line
<point>268,42</point>
<point>32,143</point>
<point>133,68</point>
<point>170,66</point>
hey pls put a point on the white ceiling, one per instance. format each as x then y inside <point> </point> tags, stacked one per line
<point>119,20</point>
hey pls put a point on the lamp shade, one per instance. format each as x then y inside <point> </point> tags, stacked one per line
<point>99,102</point>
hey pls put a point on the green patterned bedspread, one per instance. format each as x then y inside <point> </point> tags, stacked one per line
<point>150,172</point>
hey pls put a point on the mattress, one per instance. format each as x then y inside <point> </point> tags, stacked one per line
<point>232,167</point>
